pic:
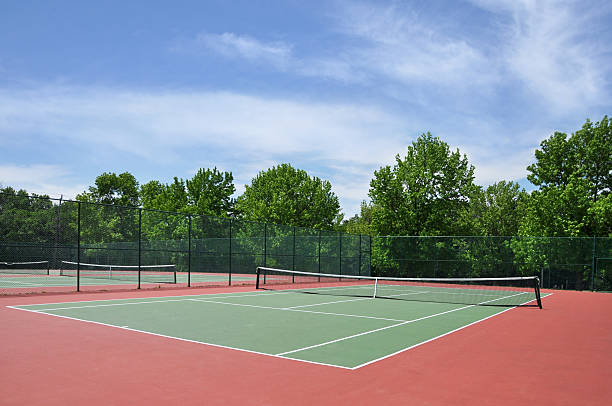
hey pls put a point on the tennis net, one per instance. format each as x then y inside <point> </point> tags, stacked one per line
<point>511,291</point>
<point>148,273</point>
<point>25,268</point>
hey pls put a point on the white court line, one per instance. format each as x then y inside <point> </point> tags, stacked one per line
<point>179,338</point>
<point>42,311</point>
<point>21,283</point>
<point>296,310</point>
<point>136,303</point>
<point>441,335</point>
<point>391,326</point>
<point>230,294</point>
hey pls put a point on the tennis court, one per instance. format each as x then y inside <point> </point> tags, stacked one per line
<point>28,277</point>
<point>329,329</point>
<point>17,281</point>
<point>243,346</point>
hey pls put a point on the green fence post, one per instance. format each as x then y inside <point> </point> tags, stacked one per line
<point>265,244</point>
<point>293,257</point>
<point>78,281</point>
<point>359,269</point>
<point>189,251</point>
<point>139,244</point>
<point>594,264</point>
<point>229,278</point>
<point>340,253</point>
<point>319,254</point>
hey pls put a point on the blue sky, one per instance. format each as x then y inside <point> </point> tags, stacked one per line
<point>336,88</point>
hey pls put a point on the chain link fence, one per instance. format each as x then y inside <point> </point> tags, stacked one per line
<point>578,263</point>
<point>61,245</point>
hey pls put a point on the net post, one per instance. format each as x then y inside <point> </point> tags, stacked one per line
<point>78,281</point>
<point>139,243</point>
<point>536,283</point>
<point>257,271</point>
<point>48,268</point>
<point>375,287</point>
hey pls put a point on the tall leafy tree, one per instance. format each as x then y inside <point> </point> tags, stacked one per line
<point>424,193</point>
<point>497,209</point>
<point>111,188</point>
<point>285,195</point>
<point>360,223</point>
<point>168,197</point>
<point>26,218</point>
<point>575,177</point>
<point>210,192</point>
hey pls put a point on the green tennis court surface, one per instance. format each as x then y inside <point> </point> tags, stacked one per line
<point>17,281</point>
<point>332,330</point>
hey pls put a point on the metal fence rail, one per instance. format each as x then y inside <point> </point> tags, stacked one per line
<point>205,250</point>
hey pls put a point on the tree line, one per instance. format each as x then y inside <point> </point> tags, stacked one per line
<point>429,191</point>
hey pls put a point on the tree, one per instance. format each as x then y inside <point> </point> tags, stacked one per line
<point>209,192</point>
<point>359,223</point>
<point>575,177</point>
<point>111,188</point>
<point>168,197</point>
<point>26,218</point>
<point>497,210</point>
<point>289,196</point>
<point>424,193</point>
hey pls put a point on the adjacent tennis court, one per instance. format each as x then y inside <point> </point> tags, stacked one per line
<point>24,276</point>
<point>335,330</point>
<point>8,281</point>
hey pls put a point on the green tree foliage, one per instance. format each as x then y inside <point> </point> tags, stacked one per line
<point>424,193</point>
<point>168,197</point>
<point>285,195</point>
<point>497,209</point>
<point>360,223</point>
<point>111,188</point>
<point>208,192</point>
<point>26,218</point>
<point>575,177</point>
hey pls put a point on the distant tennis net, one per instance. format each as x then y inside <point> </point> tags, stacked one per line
<point>148,273</point>
<point>510,291</point>
<point>25,268</point>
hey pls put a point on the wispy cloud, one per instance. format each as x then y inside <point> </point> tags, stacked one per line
<point>542,47</point>
<point>553,48</point>
<point>400,45</point>
<point>341,142</point>
<point>53,180</point>
<point>242,46</point>
<point>209,127</point>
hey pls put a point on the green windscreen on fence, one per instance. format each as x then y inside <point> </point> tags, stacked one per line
<point>207,250</point>
<point>90,242</point>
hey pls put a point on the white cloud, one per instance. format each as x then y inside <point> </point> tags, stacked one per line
<point>162,127</point>
<point>401,46</point>
<point>552,47</point>
<point>52,180</point>
<point>343,143</point>
<point>233,45</point>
